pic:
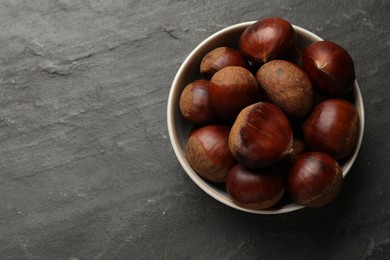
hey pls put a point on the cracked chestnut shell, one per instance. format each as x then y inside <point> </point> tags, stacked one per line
<point>314,179</point>
<point>208,153</point>
<point>267,39</point>
<point>255,188</point>
<point>261,135</point>
<point>332,128</point>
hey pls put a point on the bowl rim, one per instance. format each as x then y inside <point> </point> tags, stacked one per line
<point>172,117</point>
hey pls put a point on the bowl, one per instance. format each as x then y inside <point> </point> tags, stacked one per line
<point>179,129</point>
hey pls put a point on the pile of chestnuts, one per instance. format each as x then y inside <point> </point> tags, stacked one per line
<point>272,121</point>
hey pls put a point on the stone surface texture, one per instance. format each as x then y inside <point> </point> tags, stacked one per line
<point>86,166</point>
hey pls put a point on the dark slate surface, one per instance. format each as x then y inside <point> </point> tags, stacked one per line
<point>86,167</point>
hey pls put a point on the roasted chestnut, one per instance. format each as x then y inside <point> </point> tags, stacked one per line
<point>332,128</point>
<point>261,135</point>
<point>255,188</point>
<point>208,152</point>
<point>195,103</point>
<point>231,89</point>
<point>330,66</point>
<point>314,179</point>
<point>267,39</point>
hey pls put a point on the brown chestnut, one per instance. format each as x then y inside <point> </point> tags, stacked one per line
<point>332,128</point>
<point>267,39</point>
<point>330,66</point>
<point>297,149</point>
<point>220,58</point>
<point>314,179</point>
<point>287,86</point>
<point>231,89</point>
<point>208,152</point>
<point>261,135</point>
<point>195,103</point>
<point>255,188</point>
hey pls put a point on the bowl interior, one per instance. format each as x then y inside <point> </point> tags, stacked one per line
<point>179,128</point>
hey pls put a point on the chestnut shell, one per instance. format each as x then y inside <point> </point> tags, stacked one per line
<point>220,58</point>
<point>314,179</point>
<point>261,135</point>
<point>255,188</point>
<point>195,104</point>
<point>332,128</point>
<point>297,149</point>
<point>267,39</point>
<point>208,152</point>
<point>231,89</point>
<point>330,66</point>
<point>287,86</point>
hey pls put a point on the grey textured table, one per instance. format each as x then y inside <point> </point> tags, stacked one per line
<point>86,166</point>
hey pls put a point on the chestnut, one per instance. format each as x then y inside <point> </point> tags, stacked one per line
<point>231,89</point>
<point>332,128</point>
<point>195,103</point>
<point>314,179</point>
<point>261,135</point>
<point>220,58</point>
<point>208,153</point>
<point>297,149</point>
<point>267,39</point>
<point>287,86</point>
<point>330,66</point>
<point>255,188</point>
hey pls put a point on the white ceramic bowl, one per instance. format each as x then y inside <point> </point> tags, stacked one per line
<point>179,129</point>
